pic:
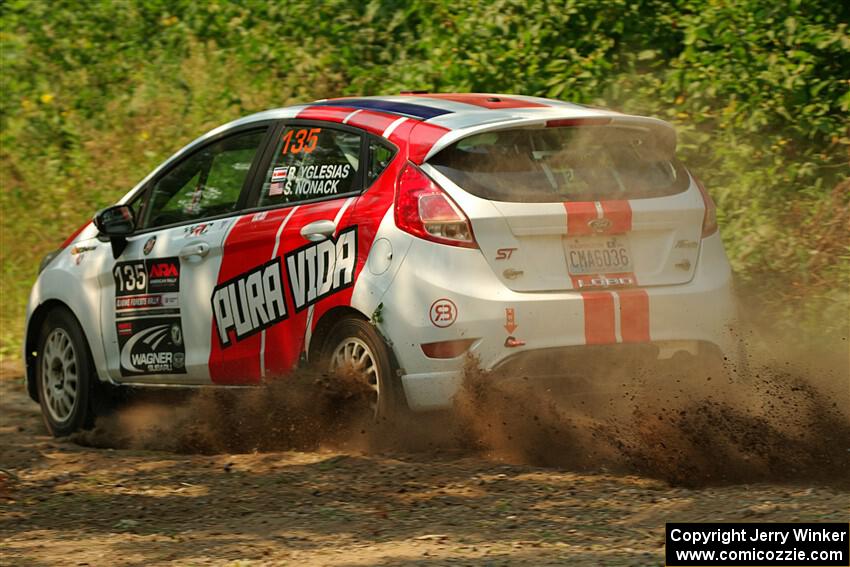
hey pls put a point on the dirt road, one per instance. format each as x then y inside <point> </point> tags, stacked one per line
<point>66,504</point>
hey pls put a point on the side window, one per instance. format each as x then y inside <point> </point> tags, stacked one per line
<point>380,157</point>
<point>205,184</point>
<point>310,163</point>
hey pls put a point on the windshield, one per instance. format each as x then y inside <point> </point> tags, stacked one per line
<point>588,163</point>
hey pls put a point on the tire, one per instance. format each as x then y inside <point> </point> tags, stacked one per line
<point>65,375</point>
<point>348,342</point>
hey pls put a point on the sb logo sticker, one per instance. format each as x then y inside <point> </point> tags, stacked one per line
<point>443,313</point>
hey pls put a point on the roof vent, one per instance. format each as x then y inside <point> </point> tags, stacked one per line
<point>413,92</point>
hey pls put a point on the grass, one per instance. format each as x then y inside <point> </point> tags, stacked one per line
<point>94,95</point>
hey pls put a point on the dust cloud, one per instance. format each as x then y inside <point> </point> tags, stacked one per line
<point>787,418</point>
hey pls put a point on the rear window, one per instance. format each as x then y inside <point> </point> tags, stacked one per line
<point>588,163</point>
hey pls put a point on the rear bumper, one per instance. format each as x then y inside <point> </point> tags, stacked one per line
<point>689,318</point>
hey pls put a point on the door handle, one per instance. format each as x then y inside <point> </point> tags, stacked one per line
<point>318,230</point>
<point>195,251</point>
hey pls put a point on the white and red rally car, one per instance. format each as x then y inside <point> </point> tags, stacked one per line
<point>395,234</point>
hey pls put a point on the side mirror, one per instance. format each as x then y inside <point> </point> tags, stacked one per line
<point>117,222</point>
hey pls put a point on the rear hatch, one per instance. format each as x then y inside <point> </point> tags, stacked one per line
<point>572,204</point>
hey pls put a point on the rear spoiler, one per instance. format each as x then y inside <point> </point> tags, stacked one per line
<point>664,133</point>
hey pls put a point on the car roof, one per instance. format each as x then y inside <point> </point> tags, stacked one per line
<point>441,118</point>
<point>448,110</point>
<point>446,117</point>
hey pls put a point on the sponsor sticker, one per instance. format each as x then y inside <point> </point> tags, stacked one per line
<point>146,301</point>
<point>443,313</point>
<point>149,245</point>
<point>279,173</point>
<point>320,269</point>
<point>197,229</point>
<point>151,345</point>
<point>249,303</point>
<point>150,276</point>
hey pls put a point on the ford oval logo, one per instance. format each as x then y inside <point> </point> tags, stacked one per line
<point>600,225</point>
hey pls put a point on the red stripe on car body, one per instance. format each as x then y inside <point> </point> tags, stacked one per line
<point>73,236</point>
<point>249,244</point>
<point>598,318</point>
<point>579,215</point>
<point>634,315</point>
<point>329,113</point>
<point>484,100</point>
<point>371,121</point>
<point>620,215</point>
<point>423,136</point>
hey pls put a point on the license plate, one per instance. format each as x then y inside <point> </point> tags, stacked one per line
<point>598,255</point>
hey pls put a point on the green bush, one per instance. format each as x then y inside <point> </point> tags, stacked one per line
<point>95,94</point>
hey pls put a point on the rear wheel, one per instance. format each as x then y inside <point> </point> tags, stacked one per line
<point>64,374</point>
<point>354,346</point>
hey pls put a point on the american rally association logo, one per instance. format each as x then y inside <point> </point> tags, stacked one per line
<point>151,346</point>
<point>254,300</point>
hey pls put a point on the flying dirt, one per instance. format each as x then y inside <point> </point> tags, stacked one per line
<point>777,421</point>
<point>584,471</point>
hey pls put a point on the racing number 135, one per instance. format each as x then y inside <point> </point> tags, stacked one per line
<point>130,276</point>
<point>303,140</point>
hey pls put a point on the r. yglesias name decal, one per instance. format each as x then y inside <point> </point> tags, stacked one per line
<point>249,303</point>
<point>309,180</point>
<point>320,269</point>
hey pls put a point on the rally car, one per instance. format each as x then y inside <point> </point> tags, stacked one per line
<point>394,235</point>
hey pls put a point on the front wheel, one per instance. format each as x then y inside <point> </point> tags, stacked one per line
<point>354,346</point>
<point>64,373</point>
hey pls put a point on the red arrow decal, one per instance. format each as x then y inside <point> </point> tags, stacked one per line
<point>510,320</point>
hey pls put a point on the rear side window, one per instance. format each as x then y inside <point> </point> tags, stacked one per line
<point>312,163</point>
<point>589,163</point>
<point>380,157</point>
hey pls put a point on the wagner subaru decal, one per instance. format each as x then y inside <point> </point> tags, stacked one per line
<point>151,345</point>
<point>322,268</point>
<point>152,275</point>
<point>249,303</point>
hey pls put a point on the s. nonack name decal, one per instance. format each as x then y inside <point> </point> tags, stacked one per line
<point>249,303</point>
<point>322,268</point>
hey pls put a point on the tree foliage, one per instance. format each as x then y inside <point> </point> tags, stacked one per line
<point>95,94</point>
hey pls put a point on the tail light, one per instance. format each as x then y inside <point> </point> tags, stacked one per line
<point>423,209</point>
<point>709,220</point>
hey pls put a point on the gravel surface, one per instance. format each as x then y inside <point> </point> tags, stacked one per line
<point>62,503</point>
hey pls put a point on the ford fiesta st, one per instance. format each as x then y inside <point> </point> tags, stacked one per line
<point>395,235</point>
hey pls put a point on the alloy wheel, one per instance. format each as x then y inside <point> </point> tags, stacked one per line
<point>59,374</point>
